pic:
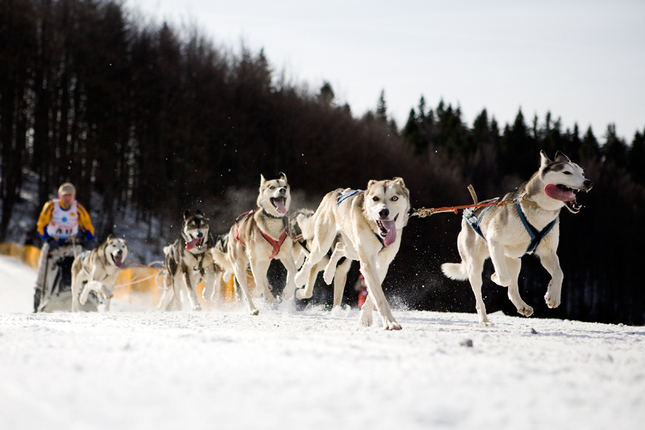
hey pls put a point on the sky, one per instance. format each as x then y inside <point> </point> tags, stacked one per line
<point>581,60</point>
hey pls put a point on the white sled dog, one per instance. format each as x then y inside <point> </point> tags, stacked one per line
<point>370,223</point>
<point>97,270</point>
<point>259,236</point>
<point>528,225</point>
<point>188,263</point>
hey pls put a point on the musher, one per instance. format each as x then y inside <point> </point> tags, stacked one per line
<point>65,227</point>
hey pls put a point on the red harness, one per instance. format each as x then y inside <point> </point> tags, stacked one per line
<point>276,244</point>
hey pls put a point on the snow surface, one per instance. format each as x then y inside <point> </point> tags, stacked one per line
<point>311,369</point>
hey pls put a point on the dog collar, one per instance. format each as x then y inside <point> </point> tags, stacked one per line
<point>272,216</point>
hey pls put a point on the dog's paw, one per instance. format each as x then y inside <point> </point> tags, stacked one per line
<point>269,297</point>
<point>366,318</point>
<point>551,302</point>
<point>328,275</point>
<point>197,308</point>
<point>300,294</point>
<point>286,295</point>
<point>502,282</point>
<point>486,323</point>
<point>525,310</point>
<point>255,312</point>
<point>391,325</point>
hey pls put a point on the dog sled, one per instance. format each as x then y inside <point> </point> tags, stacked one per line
<point>57,292</point>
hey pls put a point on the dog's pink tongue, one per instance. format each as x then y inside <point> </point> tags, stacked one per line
<point>117,262</point>
<point>556,193</point>
<point>193,243</point>
<point>390,237</point>
<point>279,205</point>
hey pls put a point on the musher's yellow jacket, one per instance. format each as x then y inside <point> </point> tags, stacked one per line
<point>46,215</point>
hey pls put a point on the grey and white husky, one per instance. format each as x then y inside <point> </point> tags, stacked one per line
<point>188,262</point>
<point>526,223</point>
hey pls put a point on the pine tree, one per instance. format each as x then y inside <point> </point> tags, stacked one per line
<point>381,108</point>
<point>326,95</point>
<point>615,148</point>
<point>589,148</point>
<point>637,157</point>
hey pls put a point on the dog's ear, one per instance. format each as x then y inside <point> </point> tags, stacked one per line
<point>371,182</point>
<point>110,237</point>
<point>283,177</point>
<point>199,213</point>
<point>399,181</point>
<point>560,157</point>
<point>544,160</point>
<point>186,214</point>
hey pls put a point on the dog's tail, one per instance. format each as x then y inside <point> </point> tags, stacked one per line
<point>456,271</point>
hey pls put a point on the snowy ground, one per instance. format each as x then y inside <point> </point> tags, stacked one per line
<point>139,368</point>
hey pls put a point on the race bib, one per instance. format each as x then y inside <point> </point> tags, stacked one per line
<point>64,223</point>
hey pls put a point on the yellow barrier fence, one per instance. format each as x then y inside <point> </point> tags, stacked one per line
<point>139,285</point>
<point>28,254</point>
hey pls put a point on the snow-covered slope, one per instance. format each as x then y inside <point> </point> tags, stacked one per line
<point>139,368</point>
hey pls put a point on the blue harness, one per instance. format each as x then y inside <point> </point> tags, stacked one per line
<point>83,256</point>
<point>536,235</point>
<point>344,196</point>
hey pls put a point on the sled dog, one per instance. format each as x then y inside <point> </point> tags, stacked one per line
<point>529,224</point>
<point>333,270</point>
<point>97,270</point>
<point>188,262</point>
<point>370,223</point>
<point>259,236</point>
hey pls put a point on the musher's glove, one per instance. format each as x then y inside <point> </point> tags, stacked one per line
<point>53,243</point>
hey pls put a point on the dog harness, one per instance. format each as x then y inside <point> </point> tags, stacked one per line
<point>344,196</point>
<point>536,235</point>
<point>276,244</point>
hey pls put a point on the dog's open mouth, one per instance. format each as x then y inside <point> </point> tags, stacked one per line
<point>564,194</point>
<point>194,243</point>
<point>387,230</point>
<point>118,261</point>
<point>279,204</point>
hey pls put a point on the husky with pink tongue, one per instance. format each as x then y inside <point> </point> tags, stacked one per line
<point>188,263</point>
<point>525,222</point>
<point>370,223</point>
<point>256,238</point>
